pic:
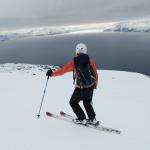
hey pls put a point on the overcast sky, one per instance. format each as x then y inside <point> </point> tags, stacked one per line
<point>16,14</point>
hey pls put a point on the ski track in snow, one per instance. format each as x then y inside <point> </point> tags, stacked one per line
<point>121,101</point>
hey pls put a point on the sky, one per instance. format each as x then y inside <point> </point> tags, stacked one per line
<point>16,14</point>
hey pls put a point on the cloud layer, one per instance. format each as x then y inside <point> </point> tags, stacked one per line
<point>32,13</point>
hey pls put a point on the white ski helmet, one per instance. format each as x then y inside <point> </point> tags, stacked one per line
<point>81,48</point>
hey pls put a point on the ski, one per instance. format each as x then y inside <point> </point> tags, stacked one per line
<point>49,114</point>
<point>68,118</point>
<point>97,127</point>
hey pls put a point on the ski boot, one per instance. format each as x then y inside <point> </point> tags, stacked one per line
<point>77,121</point>
<point>93,122</point>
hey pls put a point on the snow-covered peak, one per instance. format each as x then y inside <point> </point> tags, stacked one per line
<point>139,25</point>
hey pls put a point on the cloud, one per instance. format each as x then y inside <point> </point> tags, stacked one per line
<point>32,13</point>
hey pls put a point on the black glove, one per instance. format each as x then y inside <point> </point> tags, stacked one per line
<point>49,72</point>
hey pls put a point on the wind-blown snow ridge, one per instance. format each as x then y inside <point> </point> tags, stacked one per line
<point>140,25</point>
<point>25,68</point>
<point>34,69</point>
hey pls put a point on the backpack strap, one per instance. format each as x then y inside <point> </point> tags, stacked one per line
<point>74,73</point>
<point>93,73</point>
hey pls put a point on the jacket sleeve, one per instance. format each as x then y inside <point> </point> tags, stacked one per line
<point>95,70</point>
<point>67,68</point>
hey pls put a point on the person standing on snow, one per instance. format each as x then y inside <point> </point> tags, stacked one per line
<point>86,77</point>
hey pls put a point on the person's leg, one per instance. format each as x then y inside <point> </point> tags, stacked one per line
<point>87,102</point>
<point>74,103</point>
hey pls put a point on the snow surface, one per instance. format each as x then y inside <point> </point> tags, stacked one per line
<point>121,101</point>
<point>137,25</point>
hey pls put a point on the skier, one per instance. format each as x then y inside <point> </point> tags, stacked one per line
<point>86,77</point>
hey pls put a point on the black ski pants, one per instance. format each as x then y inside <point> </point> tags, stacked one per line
<point>85,95</point>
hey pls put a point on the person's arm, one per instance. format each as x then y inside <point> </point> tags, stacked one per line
<point>67,68</point>
<point>95,70</point>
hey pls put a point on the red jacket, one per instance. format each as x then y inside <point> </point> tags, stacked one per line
<point>69,67</point>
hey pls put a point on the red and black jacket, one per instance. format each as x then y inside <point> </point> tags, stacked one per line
<point>70,66</point>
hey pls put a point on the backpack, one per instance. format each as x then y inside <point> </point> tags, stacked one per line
<point>85,75</point>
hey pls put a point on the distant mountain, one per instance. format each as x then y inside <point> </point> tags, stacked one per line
<point>140,25</point>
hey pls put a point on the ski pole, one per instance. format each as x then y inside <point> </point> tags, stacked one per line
<point>38,115</point>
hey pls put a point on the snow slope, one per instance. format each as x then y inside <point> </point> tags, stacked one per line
<point>121,101</point>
